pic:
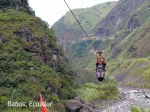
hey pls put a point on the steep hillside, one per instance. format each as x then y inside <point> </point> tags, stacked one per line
<point>132,56</point>
<point>126,15</point>
<point>130,48</point>
<point>68,29</point>
<point>126,36</point>
<point>27,47</point>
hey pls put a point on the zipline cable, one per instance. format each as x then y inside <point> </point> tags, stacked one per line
<point>80,24</point>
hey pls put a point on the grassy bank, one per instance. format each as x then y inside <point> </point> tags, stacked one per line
<point>91,92</point>
<point>135,109</point>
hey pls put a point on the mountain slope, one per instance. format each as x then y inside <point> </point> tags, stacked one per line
<point>126,15</point>
<point>68,29</point>
<point>133,56</point>
<point>26,61</point>
<point>125,38</point>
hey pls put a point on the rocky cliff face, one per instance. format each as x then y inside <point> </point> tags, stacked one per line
<point>119,16</point>
<point>134,22</point>
<point>79,105</point>
<point>38,44</point>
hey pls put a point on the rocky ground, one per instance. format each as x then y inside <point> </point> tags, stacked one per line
<point>129,98</point>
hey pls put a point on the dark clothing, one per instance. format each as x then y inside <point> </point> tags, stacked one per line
<point>103,65</point>
<point>100,71</point>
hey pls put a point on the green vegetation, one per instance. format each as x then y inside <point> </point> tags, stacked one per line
<point>81,55</point>
<point>19,5</point>
<point>135,68</point>
<point>91,92</point>
<point>27,44</point>
<point>88,17</point>
<point>26,65</point>
<point>135,109</point>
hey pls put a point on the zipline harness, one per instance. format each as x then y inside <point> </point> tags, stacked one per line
<point>80,24</point>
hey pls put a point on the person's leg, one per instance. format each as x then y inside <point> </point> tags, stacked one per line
<point>101,78</point>
<point>105,64</point>
<point>97,74</point>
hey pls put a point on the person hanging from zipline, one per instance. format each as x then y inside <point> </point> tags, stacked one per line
<point>100,65</point>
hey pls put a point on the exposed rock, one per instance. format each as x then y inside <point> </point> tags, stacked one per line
<point>23,33</point>
<point>55,61</point>
<point>134,22</point>
<point>147,96</point>
<point>117,21</point>
<point>121,77</point>
<point>48,57</point>
<point>79,105</point>
<point>103,33</point>
<point>67,36</point>
<point>122,96</point>
<point>136,91</point>
<point>73,106</point>
<point>80,100</point>
<point>145,33</point>
<point>132,48</point>
<point>1,36</point>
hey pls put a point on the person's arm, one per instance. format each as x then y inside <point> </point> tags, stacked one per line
<point>97,57</point>
<point>104,57</point>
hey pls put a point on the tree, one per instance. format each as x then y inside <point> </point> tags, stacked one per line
<point>19,5</point>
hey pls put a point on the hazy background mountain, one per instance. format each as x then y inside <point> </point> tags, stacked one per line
<point>67,29</point>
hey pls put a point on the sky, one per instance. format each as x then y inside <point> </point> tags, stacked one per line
<point>52,10</point>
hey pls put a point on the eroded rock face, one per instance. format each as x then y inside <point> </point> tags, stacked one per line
<point>36,44</point>
<point>73,106</point>
<point>118,17</point>
<point>134,22</point>
<point>147,96</point>
<point>79,105</point>
<point>1,36</point>
<point>103,32</point>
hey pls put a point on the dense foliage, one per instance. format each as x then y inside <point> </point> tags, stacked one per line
<point>26,48</point>
<point>92,92</point>
<point>19,5</point>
